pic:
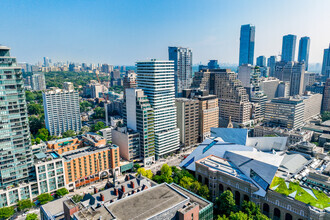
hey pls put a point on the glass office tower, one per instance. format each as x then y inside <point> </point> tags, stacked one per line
<point>246,47</point>
<point>289,47</point>
<point>303,54</point>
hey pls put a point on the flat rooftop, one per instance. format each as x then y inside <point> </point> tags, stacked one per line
<point>147,203</point>
<point>94,213</point>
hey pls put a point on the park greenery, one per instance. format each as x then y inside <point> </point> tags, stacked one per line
<point>227,209</point>
<point>146,173</point>
<point>56,79</point>
<point>99,113</point>
<point>68,133</point>
<point>322,201</point>
<point>45,198</point>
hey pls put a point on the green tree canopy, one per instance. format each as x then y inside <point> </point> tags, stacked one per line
<point>35,123</point>
<point>166,170</point>
<point>253,211</point>
<point>68,133</point>
<point>61,192</point>
<point>84,106</point>
<point>35,109</point>
<point>204,192</point>
<point>226,203</point>
<point>43,134</point>
<point>98,126</point>
<point>31,216</point>
<point>44,198</point>
<point>24,204</point>
<point>6,212</point>
<point>99,113</point>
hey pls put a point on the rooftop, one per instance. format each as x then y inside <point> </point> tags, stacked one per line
<point>147,203</point>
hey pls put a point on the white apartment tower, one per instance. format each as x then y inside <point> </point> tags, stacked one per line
<point>156,79</point>
<point>62,111</point>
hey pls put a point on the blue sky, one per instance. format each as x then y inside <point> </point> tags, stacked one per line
<point>121,32</point>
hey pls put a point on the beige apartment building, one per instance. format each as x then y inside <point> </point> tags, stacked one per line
<point>188,120</point>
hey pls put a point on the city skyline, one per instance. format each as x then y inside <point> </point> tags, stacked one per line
<point>122,33</point>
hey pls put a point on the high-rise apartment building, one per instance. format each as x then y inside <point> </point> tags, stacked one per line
<point>261,61</point>
<point>130,80</point>
<point>326,96</point>
<point>326,63</point>
<point>62,111</point>
<point>303,54</point>
<point>38,82</point>
<point>182,58</point>
<point>187,120</point>
<point>292,72</point>
<point>246,47</point>
<point>233,99</point>
<point>271,64</point>
<point>15,144</point>
<point>208,114</point>
<point>139,116</point>
<point>289,47</point>
<point>156,79</point>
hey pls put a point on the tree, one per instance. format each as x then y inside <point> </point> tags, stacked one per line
<point>6,212</point>
<point>239,216</point>
<point>137,166</point>
<point>34,109</point>
<point>61,192</point>
<point>44,198</point>
<point>185,182</point>
<point>24,204</point>
<point>141,171</point>
<point>31,216</point>
<point>99,113</point>
<point>77,198</point>
<point>325,116</point>
<point>253,211</point>
<point>98,126</point>
<point>226,203</point>
<point>195,187</point>
<point>68,133</point>
<point>166,170</point>
<point>149,174</point>
<point>43,134</point>
<point>204,192</point>
<point>84,106</point>
<point>30,96</point>
<point>35,124</point>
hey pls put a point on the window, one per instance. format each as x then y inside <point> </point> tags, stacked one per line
<point>260,181</point>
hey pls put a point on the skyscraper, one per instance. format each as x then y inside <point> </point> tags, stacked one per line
<point>326,63</point>
<point>289,47</point>
<point>15,144</point>
<point>182,58</point>
<point>156,79</point>
<point>261,61</point>
<point>303,54</point>
<point>62,111</point>
<point>246,47</point>
<point>38,81</point>
<point>271,64</point>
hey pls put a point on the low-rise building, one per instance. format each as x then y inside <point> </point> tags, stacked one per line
<point>107,134</point>
<point>128,142</point>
